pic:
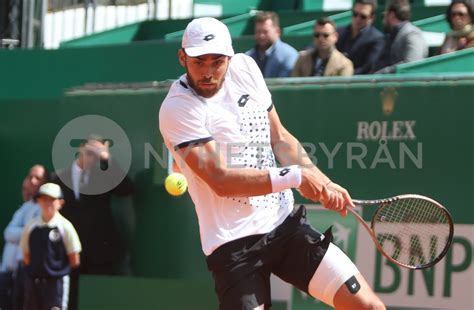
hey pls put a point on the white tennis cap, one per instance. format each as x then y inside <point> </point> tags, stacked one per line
<point>50,189</point>
<point>207,35</point>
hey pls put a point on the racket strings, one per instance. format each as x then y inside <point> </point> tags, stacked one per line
<point>412,231</point>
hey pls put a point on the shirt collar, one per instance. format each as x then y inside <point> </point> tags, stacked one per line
<point>76,168</point>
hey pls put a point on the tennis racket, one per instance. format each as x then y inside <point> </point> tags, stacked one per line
<point>410,230</point>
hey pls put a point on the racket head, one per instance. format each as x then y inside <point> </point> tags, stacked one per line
<point>412,231</point>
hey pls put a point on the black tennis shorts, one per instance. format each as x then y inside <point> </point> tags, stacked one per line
<point>242,268</point>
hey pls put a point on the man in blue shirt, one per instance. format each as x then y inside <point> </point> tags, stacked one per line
<point>274,57</point>
<point>360,41</point>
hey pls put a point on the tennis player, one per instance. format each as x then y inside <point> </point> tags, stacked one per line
<point>220,124</point>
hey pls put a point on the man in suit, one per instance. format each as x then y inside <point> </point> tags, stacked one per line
<point>274,57</point>
<point>360,41</point>
<point>324,59</point>
<point>404,41</point>
<point>87,196</point>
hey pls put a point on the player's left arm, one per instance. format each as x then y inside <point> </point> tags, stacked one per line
<point>74,260</point>
<point>315,185</point>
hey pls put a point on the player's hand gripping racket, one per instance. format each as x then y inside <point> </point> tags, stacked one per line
<point>411,231</point>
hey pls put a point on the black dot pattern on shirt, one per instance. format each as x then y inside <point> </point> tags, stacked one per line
<point>257,153</point>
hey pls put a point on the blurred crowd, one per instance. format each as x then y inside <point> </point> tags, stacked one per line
<point>359,48</point>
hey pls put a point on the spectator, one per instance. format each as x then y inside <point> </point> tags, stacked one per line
<point>274,57</point>
<point>12,254</point>
<point>324,59</point>
<point>51,248</point>
<point>26,190</point>
<point>460,16</point>
<point>360,41</point>
<point>104,251</point>
<point>404,42</point>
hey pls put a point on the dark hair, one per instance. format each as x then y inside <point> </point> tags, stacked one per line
<point>264,16</point>
<point>469,4</point>
<point>325,20</point>
<point>372,3</point>
<point>401,9</point>
<point>46,175</point>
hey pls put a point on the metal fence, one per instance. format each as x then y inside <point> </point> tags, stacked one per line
<point>45,23</point>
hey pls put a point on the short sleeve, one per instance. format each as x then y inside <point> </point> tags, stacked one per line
<point>182,121</point>
<point>246,69</point>
<point>71,239</point>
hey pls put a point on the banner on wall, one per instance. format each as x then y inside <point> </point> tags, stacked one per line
<point>448,285</point>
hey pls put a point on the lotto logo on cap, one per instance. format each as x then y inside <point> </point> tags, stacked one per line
<point>207,35</point>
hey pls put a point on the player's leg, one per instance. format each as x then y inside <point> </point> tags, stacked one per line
<point>241,271</point>
<point>249,293</point>
<point>55,293</point>
<point>364,299</point>
<point>338,283</point>
<point>32,298</point>
<point>310,262</point>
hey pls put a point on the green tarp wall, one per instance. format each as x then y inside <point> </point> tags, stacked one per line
<point>427,150</point>
<point>316,111</point>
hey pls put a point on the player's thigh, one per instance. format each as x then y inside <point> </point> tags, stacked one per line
<point>300,256</point>
<point>338,282</point>
<point>250,293</point>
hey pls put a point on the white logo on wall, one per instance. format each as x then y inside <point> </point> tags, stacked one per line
<point>66,147</point>
<point>341,236</point>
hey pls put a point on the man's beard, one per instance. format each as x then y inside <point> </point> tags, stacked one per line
<point>206,93</point>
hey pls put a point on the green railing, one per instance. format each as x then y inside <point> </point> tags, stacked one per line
<point>460,61</point>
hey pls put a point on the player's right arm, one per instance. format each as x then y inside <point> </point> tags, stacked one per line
<point>206,162</point>
<point>24,244</point>
<point>26,258</point>
<point>183,126</point>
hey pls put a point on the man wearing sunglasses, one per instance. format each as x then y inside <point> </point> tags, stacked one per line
<point>324,59</point>
<point>360,41</point>
<point>404,41</point>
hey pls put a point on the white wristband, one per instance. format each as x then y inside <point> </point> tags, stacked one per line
<point>285,177</point>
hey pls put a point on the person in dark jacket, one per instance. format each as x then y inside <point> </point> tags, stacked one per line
<point>88,186</point>
<point>360,41</point>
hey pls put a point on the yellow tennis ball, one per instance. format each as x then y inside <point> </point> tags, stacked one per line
<point>176,184</point>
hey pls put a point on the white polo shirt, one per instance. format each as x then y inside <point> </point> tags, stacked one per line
<point>237,119</point>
